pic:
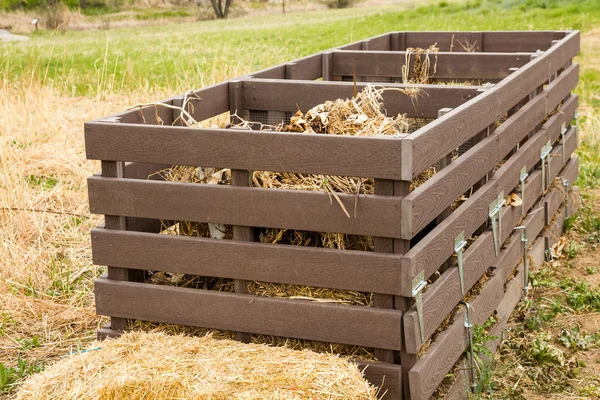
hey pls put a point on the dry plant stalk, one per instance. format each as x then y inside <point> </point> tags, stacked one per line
<point>136,366</point>
<point>421,67</point>
<point>362,115</point>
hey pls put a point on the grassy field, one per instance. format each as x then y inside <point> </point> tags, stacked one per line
<point>54,82</point>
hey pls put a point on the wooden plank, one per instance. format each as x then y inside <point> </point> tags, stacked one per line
<point>559,88</point>
<point>445,41</point>
<point>380,42</point>
<point>433,250</point>
<point>563,118</point>
<point>441,298</point>
<point>209,102</point>
<point>307,68</point>
<point>448,132</point>
<point>528,155</point>
<point>276,208</point>
<point>357,325</point>
<point>520,124</point>
<point>430,199</point>
<point>511,41</point>
<point>373,157</point>
<point>291,95</point>
<point>276,72</point>
<point>144,171</point>
<point>432,367</point>
<point>438,138</point>
<point>149,115</point>
<point>430,252</point>
<point>448,65</point>
<point>350,270</point>
<point>386,377</point>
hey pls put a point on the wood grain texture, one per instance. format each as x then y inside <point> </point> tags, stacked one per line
<point>443,296</point>
<point>274,208</point>
<point>565,116</point>
<point>431,198</point>
<point>448,132</point>
<point>450,65</point>
<point>559,88</point>
<point>435,248</point>
<point>386,377</point>
<point>148,115</point>
<point>306,68</point>
<point>351,270</point>
<point>432,367</point>
<point>515,41</point>
<point>357,325</point>
<point>374,157</point>
<point>291,95</point>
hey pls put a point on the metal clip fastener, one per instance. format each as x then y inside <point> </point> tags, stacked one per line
<point>522,178</point>
<point>459,245</point>
<point>469,327</point>
<point>418,284</point>
<point>495,214</point>
<point>576,116</point>
<point>565,184</point>
<point>544,156</point>
<point>523,230</point>
<point>488,85</point>
<point>112,120</point>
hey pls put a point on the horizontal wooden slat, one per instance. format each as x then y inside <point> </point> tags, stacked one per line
<point>306,68</point>
<point>356,325</point>
<point>290,95</point>
<point>351,270</point>
<point>511,41</point>
<point>387,378</point>
<point>445,41</point>
<point>150,115</point>
<point>144,171</point>
<point>559,88</point>
<point>443,296</point>
<point>448,65</point>
<point>563,118</point>
<point>209,102</point>
<point>430,252</point>
<point>380,42</point>
<point>274,208</point>
<point>374,157</point>
<point>430,199</point>
<point>438,138</point>
<point>432,367</point>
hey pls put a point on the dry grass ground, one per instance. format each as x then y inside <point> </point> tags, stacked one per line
<point>46,273</point>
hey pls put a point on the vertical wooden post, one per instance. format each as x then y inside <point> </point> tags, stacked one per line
<point>239,178</point>
<point>327,63</point>
<point>114,169</point>
<point>384,187</point>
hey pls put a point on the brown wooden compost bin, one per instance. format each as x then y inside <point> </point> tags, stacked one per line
<point>516,132</point>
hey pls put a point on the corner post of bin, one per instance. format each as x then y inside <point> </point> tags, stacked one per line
<point>115,169</point>
<point>239,178</point>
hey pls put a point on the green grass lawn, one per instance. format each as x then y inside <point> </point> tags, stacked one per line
<point>184,56</point>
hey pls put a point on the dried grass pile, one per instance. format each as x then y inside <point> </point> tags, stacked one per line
<point>159,366</point>
<point>362,115</point>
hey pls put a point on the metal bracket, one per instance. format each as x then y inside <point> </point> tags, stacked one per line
<point>495,213</point>
<point>112,120</point>
<point>544,156</point>
<point>523,230</point>
<point>469,327</point>
<point>522,178</point>
<point>418,284</point>
<point>487,85</point>
<point>576,116</point>
<point>565,184</point>
<point>459,245</point>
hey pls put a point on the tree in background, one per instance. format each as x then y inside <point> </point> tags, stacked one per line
<point>221,10</point>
